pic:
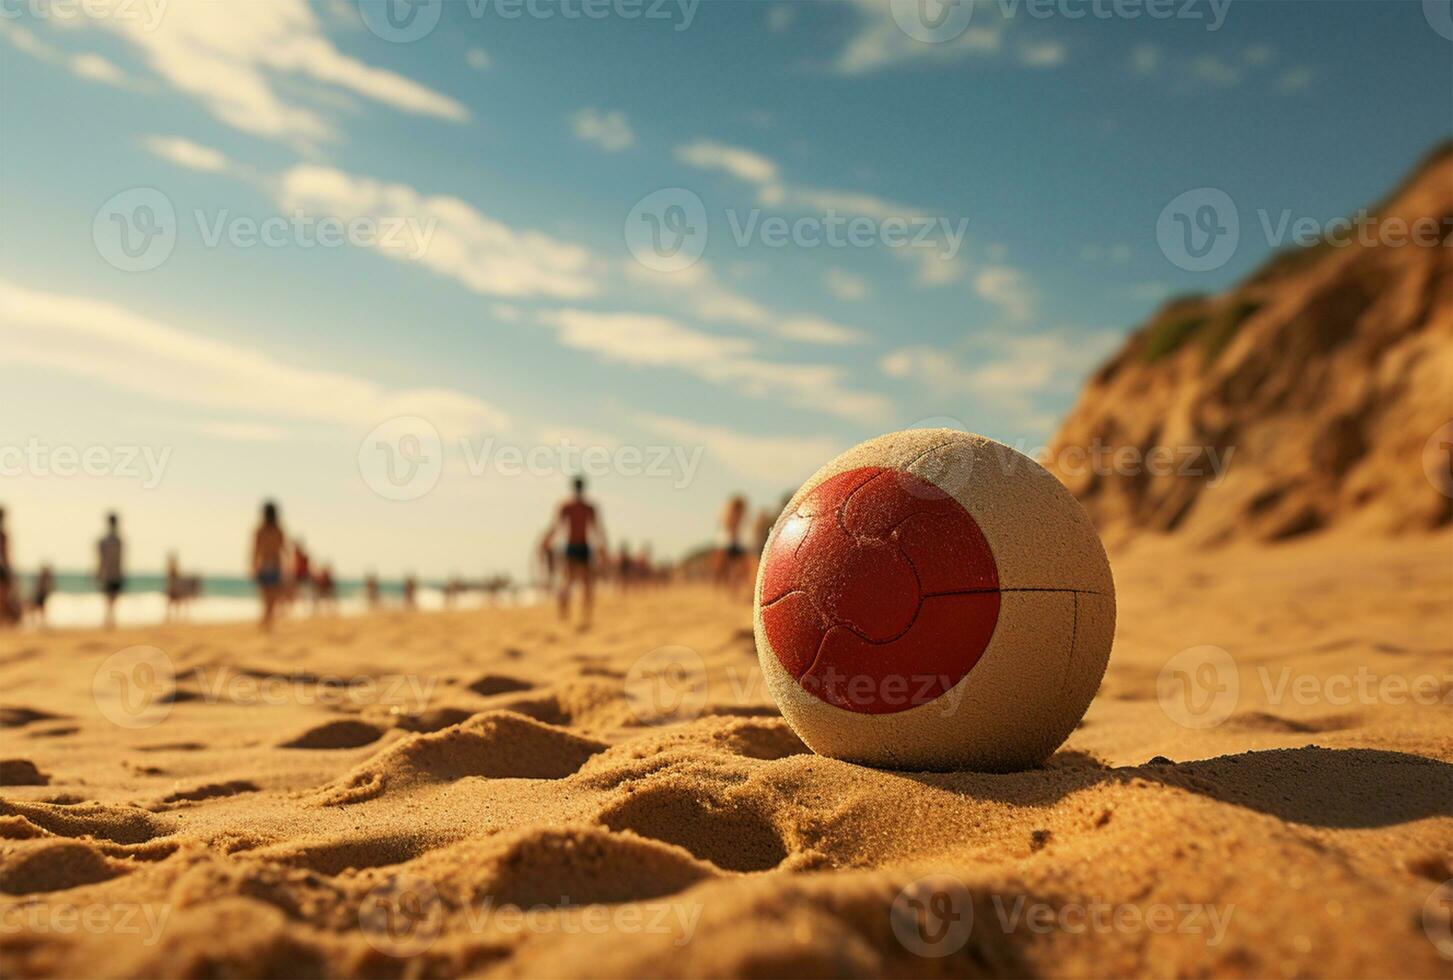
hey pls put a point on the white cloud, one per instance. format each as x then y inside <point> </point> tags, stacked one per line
<point>244,63</point>
<point>707,298</point>
<point>185,153</point>
<point>1295,80</point>
<point>643,340</point>
<point>91,67</point>
<point>111,345</point>
<point>1009,372</point>
<point>646,340</point>
<point>880,43</point>
<point>608,130</point>
<point>1007,289</point>
<point>739,163</point>
<point>478,59</point>
<point>752,168</point>
<point>780,17</point>
<point>485,255</point>
<point>1145,59</point>
<point>844,285</point>
<point>1211,70</point>
<point>97,69</point>
<point>781,460</point>
<point>1044,54</point>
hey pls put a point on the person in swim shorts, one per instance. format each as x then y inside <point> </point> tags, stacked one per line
<point>583,534</point>
<point>109,566</point>
<point>268,545</point>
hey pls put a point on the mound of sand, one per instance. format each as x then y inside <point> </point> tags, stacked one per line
<point>449,824</point>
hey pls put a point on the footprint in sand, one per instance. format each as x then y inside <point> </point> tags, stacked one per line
<point>21,772</point>
<point>346,733</point>
<point>731,835</point>
<point>492,684</point>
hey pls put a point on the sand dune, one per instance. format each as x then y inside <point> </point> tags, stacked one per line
<point>491,793</point>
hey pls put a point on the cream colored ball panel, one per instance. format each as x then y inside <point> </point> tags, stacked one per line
<point>1007,713</point>
<point>1040,535</point>
<point>1094,636</point>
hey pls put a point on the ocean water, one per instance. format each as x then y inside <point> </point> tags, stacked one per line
<point>77,603</point>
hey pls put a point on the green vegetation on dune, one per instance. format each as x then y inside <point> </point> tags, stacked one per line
<point>1183,320</point>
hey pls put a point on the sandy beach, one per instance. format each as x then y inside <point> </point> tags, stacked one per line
<point>492,793</point>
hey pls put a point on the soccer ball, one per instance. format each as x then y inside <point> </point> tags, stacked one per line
<point>934,600</point>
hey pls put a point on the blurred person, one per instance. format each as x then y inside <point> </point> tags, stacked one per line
<point>548,563</point>
<point>583,531</point>
<point>731,564</point>
<point>370,591</point>
<point>176,588</point>
<point>6,574</point>
<point>323,590</point>
<point>411,592</point>
<point>109,567</point>
<point>268,546</point>
<point>44,586</point>
<point>302,582</point>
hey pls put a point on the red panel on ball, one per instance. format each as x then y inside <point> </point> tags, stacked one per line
<point>879,592</point>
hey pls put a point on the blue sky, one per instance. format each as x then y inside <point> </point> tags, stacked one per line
<point>504,155</point>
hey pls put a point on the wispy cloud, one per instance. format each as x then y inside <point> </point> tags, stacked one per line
<point>763,173</point>
<point>248,63</point>
<point>114,346</point>
<point>1010,371</point>
<point>702,293</point>
<point>610,131</point>
<point>1221,69</point>
<point>744,165</point>
<point>783,460</point>
<point>484,254</point>
<point>1007,288</point>
<point>86,65</point>
<point>648,340</point>
<point>844,285</point>
<point>184,153</point>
